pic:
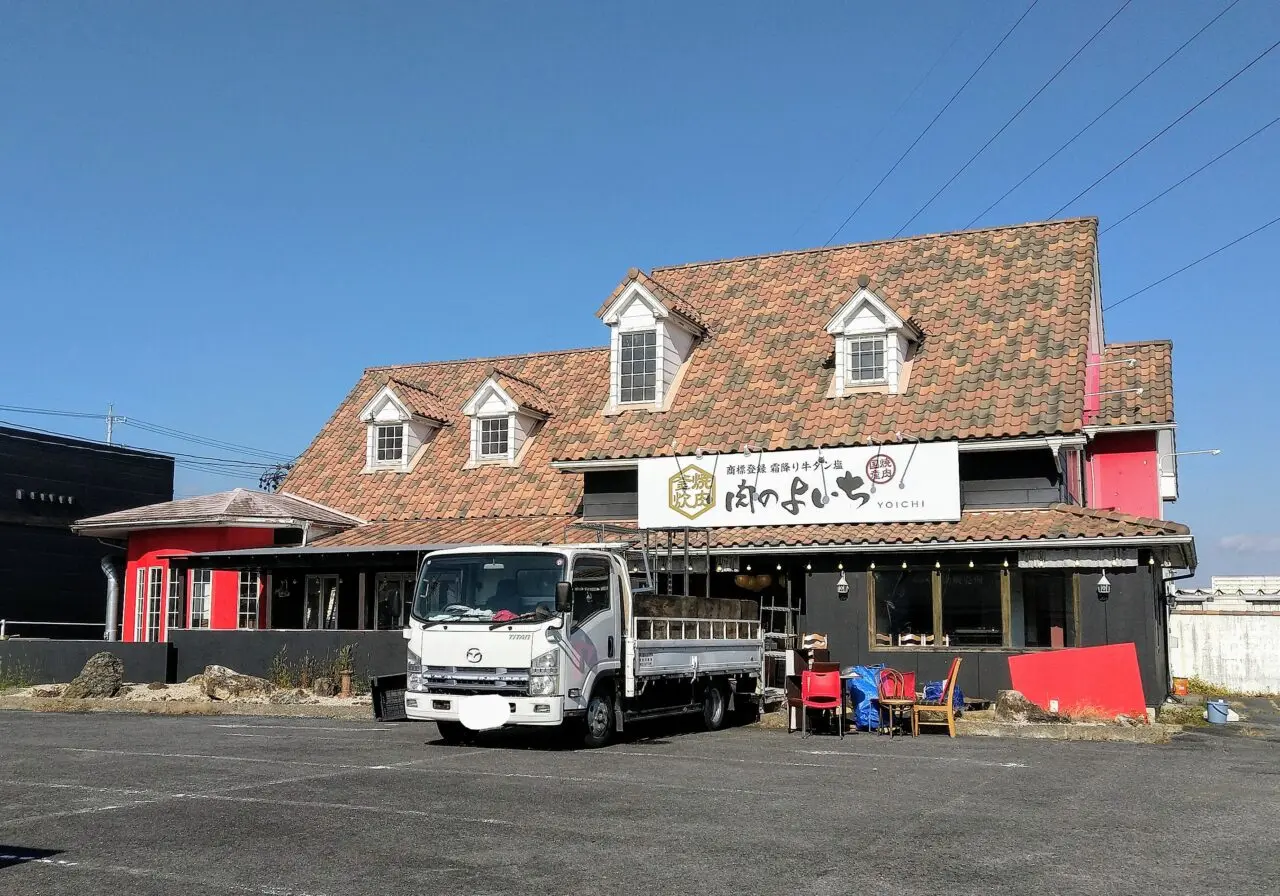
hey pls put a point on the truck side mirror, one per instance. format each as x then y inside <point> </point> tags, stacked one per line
<point>564,597</point>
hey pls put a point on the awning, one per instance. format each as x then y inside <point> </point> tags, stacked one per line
<point>310,557</point>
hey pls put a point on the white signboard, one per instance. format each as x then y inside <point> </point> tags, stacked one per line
<point>902,482</point>
<point>1079,558</point>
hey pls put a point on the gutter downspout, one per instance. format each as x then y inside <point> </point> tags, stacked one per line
<point>1168,612</point>
<point>113,598</point>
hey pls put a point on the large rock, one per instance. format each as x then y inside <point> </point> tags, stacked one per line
<point>102,676</point>
<point>1012,706</point>
<point>324,687</point>
<point>221,683</point>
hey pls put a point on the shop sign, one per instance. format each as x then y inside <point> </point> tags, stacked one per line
<point>903,482</point>
<point>1078,558</point>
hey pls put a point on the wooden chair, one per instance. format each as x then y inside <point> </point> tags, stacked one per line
<point>893,699</point>
<point>941,713</point>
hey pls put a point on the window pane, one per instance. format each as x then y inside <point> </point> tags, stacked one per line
<point>904,606</point>
<point>155,600</point>
<point>1043,610</point>
<point>493,437</point>
<point>177,615</point>
<point>971,607</point>
<point>590,588</point>
<point>866,359</point>
<point>248,611</point>
<point>390,443</point>
<point>638,366</point>
<point>201,594</point>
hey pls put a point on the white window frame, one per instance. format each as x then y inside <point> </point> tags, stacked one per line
<point>482,423</point>
<point>380,459</point>
<point>250,594</point>
<point>140,603</point>
<point>175,606</point>
<point>155,602</point>
<point>648,378</point>
<point>200,606</point>
<point>853,350</point>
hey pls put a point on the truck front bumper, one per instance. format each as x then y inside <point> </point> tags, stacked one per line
<point>427,707</point>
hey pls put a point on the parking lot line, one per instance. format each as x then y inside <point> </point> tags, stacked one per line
<point>385,727</point>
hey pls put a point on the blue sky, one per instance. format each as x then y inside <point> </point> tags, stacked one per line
<point>216,215</point>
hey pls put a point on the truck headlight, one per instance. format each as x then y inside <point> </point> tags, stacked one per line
<point>544,674</point>
<point>415,681</point>
<point>415,663</point>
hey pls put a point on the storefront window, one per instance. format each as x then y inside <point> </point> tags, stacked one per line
<point>904,607</point>
<point>971,614</point>
<point>1042,609</point>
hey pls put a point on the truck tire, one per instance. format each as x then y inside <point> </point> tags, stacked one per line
<point>715,706</point>
<point>455,733</point>
<point>597,728</point>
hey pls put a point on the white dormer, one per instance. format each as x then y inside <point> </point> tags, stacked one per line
<point>500,423</point>
<point>394,431</point>
<point>649,342</point>
<point>873,345</point>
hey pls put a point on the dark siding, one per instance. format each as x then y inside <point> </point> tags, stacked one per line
<point>374,653</point>
<point>1025,478</point>
<point>46,572</point>
<point>610,495</point>
<point>1132,613</point>
<point>48,662</point>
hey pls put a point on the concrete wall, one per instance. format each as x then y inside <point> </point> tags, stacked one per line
<point>1237,651</point>
<point>375,653</point>
<point>47,662</point>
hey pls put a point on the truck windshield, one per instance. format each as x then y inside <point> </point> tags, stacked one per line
<point>487,587</point>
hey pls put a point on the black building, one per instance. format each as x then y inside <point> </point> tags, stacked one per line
<point>47,574</point>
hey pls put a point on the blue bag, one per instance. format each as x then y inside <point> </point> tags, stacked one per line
<point>864,689</point>
<point>933,694</point>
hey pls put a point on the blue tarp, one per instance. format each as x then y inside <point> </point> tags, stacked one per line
<point>933,694</point>
<point>863,690</point>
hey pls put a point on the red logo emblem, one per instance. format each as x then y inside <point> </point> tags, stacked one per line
<point>881,469</point>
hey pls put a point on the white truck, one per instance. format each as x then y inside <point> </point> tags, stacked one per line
<point>557,635</point>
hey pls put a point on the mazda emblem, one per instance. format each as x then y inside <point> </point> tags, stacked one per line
<point>474,655</point>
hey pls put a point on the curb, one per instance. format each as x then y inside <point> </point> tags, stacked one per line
<point>188,708</point>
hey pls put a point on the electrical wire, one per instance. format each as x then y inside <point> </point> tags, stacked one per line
<point>1170,189</point>
<point>893,116</point>
<point>1016,115</point>
<point>1080,133</point>
<point>1187,267</point>
<point>930,125</point>
<point>49,412</point>
<point>160,429</point>
<point>117,448</point>
<point>1116,167</point>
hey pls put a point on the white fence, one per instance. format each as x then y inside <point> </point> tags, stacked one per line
<point>1237,651</point>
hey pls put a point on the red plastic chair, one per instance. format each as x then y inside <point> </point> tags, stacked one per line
<point>820,690</point>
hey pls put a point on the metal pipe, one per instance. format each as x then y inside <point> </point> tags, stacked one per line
<point>113,598</point>
<point>686,561</point>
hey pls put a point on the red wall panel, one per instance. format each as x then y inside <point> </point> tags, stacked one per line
<point>147,547</point>
<point>1104,680</point>
<point>1123,475</point>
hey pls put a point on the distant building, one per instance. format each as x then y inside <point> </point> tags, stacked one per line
<point>1238,594</point>
<point>47,574</point>
<point>1228,634</point>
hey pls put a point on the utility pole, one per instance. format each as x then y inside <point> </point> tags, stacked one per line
<point>112,420</point>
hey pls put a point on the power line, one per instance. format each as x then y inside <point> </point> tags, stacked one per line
<point>1187,267</point>
<point>49,412</point>
<point>113,448</point>
<point>883,127</point>
<point>930,125</point>
<point>160,429</point>
<point>1168,190</point>
<point>1116,167</point>
<point>1080,133</point>
<point>1043,87</point>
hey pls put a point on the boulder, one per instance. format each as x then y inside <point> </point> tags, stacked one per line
<point>102,676</point>
<point>221,683</point>
<point>157,686</point>
<point>198,678</point>
<point>324,687</point>
<point>55,691</point>
<point>1012,706</point>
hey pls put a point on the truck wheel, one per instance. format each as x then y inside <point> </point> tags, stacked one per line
<point>714,705</point>
<point>598,726</point>
<point>455,733</point>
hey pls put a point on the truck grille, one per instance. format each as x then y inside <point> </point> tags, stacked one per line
<point>475,680</point>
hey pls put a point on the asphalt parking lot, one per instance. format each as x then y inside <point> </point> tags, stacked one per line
<point>284,807</point>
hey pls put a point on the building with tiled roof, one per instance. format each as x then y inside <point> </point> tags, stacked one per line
<point>984,444</point>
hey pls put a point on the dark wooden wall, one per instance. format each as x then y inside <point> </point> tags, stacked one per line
<point>46,572</point>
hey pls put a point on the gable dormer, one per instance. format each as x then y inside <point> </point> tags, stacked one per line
<point>504,413</point>
<point>873,345</point>
<point>398,420</point>
<point>652,333</point>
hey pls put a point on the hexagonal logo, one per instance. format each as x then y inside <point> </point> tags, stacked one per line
<point>691,492</point>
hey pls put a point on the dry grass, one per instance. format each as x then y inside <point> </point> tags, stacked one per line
<point>1180,714</point>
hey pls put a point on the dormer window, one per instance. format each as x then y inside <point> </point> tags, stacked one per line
<point>873,346</point>
<point>495,437</point>
<point>652,335</point>
<point>638,366</point>
<point>866,360</point>
<point>399,420</point>
<point>389,448</point>
<point>505,413</point>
